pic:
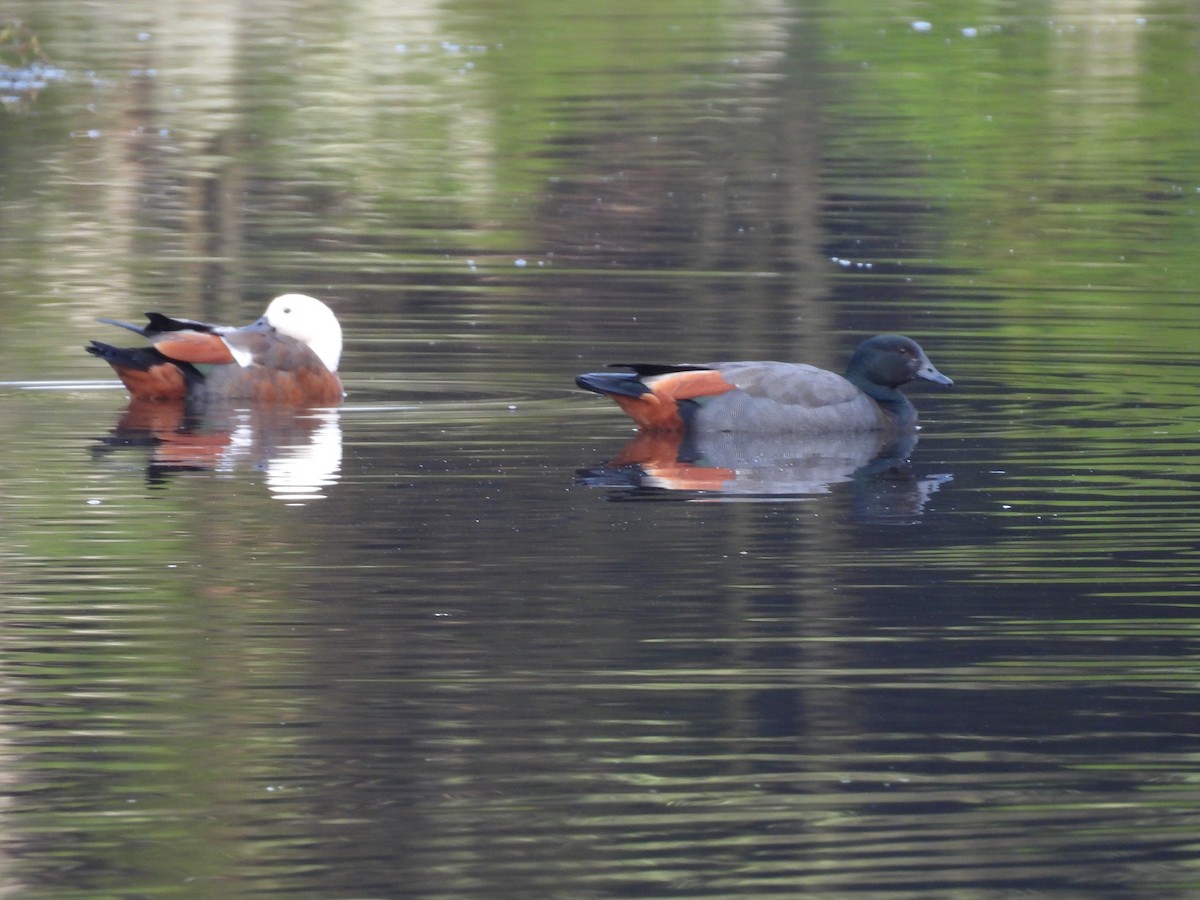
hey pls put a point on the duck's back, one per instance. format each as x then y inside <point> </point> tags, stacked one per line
<point>781,398</point>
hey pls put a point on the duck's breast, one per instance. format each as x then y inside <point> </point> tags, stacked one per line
<point>787,398</point>
<point>283,371</point>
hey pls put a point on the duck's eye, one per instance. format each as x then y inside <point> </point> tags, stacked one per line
<point>287,311</point>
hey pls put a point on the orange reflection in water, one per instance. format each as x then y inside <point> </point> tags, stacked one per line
<point>298,450</point>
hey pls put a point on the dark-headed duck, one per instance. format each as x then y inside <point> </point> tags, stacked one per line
<point>774,397</point>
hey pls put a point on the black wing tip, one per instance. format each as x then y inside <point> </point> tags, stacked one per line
<point>649,370</point>
<point>624,383</point>
<point>142,358</point>
<point>101,349</point>
<point>161,322</point>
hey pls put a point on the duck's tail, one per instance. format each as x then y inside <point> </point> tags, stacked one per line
<point>146,373</point>
<point>659,398</point>
<point>612,384</point>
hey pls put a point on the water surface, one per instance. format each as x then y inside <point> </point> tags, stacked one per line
<point>436,643</point>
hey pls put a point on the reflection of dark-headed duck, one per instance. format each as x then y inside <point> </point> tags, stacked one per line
<point>289,356</point>
<point>774,397</point>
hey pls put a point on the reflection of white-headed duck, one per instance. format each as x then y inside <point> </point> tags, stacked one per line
<point>298,449</point>
<point>289,356</point>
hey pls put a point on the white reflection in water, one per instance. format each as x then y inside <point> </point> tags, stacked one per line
<point>302,471</point>
<point>299,451</point>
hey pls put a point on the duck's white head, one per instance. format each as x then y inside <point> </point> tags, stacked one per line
<point>309,321</point>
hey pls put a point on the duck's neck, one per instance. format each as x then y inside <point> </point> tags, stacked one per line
<point>890,400</point>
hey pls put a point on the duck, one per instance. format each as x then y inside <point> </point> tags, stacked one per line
<point>289,355</point>
<point>767,397</point>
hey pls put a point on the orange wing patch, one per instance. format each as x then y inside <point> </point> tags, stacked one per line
<point>689,385</point>
<point>658,411</point>
<point>193,347</point>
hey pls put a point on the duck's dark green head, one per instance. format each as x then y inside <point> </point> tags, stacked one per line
<point>889,361</point>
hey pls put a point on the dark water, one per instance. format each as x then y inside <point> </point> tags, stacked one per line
<point>450,640</point>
